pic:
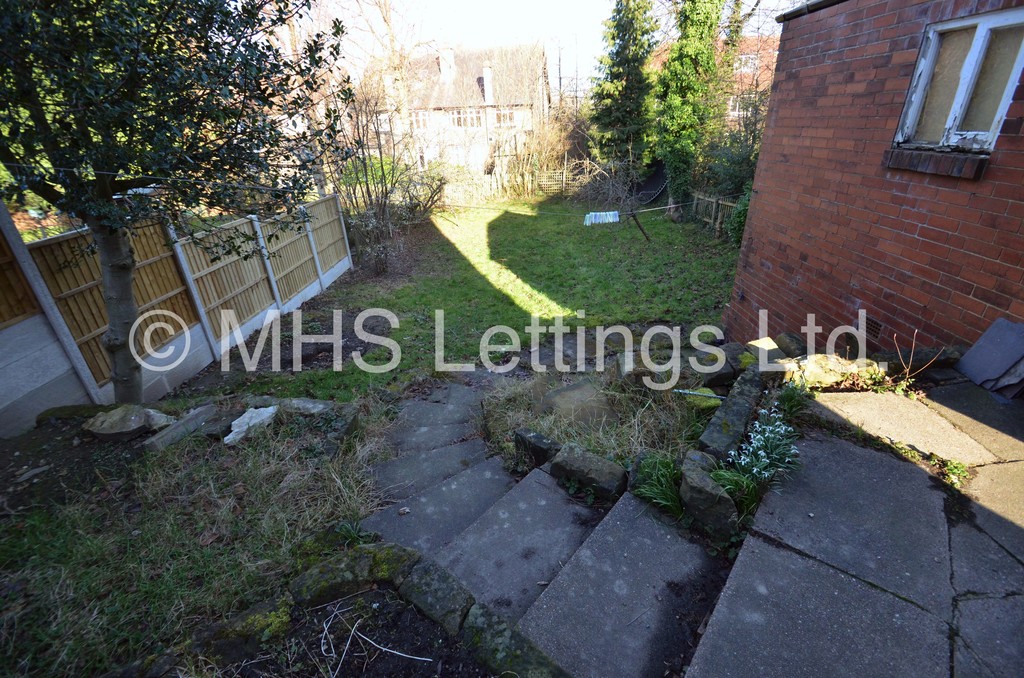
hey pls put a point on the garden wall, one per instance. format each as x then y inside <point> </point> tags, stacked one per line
<point>840,221</point>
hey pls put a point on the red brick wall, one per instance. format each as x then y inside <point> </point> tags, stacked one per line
<point>832,229</point>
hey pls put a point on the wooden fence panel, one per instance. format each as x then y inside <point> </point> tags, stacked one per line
<point>328,232</point>
<point>713,211</point>
<point>231,282</point>
<point>16,299</point>
<point>291,257</point>
<point>72,274</point>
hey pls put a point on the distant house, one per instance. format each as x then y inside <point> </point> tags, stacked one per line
<point>891,173</point>
<point>755,68</point>
<point>752,72</point>
<point>477,108</point>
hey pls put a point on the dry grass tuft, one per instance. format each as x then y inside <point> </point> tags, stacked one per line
<point>200,531</point>
<point>648,421</point>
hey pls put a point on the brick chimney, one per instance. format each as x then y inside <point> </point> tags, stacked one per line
<point>488,85</point>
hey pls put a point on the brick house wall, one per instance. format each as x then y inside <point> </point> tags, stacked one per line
<point>839,222</point>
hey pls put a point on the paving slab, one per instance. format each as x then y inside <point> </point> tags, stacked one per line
<point>888,415</point>
<point>993,629</point>
<point>610,611</point>
<point>413,437</point>
<point>438,514</point>
<point>869,514</point>
<point>967,664</point>
<point>996,424</point>
<point>457,395</point>
<point>415,472</point>
<point>980,565</point>
<point>426,413</point>
<point>782,614</point>
<point>997,489</point>
<point>998,349</point>
<point>522,540</point>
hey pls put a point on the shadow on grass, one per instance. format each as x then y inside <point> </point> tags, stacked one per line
<point>501,265</point>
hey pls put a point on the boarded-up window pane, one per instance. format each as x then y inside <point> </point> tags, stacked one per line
<point>996,71</point>
<point>953,49</point>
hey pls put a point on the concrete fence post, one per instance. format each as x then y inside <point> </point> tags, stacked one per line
<point>193,291</point>
<point>49,307</point>
<point>265,258</point>
<point>312,247</point>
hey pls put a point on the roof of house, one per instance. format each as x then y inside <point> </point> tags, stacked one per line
<point>515,73</point>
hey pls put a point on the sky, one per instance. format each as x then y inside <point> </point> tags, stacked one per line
<point>572,31</point>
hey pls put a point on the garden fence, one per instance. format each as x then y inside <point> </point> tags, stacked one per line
<point>713,211</point>
<point>60,278</point>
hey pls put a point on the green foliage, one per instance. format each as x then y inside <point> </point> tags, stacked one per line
<point>744,490</point>
<point>195,97</point>
<point>951,471</point>
<point>737,221</point>
<point>791,400</point>
<point>351,533</point>
<point>730,154</point>
<point>110,97</point>
<point>768,454</point>
<point>621,96</point>
<point>658,482</point>
<point>689,100</point>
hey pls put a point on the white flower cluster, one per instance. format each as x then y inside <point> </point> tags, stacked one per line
<point>769,450</point>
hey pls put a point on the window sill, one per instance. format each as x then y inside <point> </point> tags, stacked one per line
<point>961,165</point>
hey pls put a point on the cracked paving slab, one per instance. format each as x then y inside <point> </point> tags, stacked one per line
<point>867,513</point>
<point>786,615</point>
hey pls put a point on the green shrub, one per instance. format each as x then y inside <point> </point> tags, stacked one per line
<point>737,221</point>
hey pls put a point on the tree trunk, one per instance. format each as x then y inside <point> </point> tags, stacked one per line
<point>117,266</point>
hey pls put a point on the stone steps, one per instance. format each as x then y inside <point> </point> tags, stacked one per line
<point>418,471</point>
<point>519,545</point>
<point>614,609</point>
<point>438,514</point>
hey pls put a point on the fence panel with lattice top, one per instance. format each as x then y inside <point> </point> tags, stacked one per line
<point>71,271</point>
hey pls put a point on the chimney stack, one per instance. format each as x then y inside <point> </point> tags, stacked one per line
<point>488,85</point>
<point>446,65</point>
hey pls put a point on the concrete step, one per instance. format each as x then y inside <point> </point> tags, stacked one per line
<point>413,436</point>
<point>417,471</point>
<point>439,513</point>
<point>507,556</point>
<point>617,607</point>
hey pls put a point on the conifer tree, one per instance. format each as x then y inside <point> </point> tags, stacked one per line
<point>621,97</point>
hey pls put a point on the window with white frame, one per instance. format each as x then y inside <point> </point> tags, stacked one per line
<point>420,119</point>
<point>506,117</point>
<point>964,82</point>
<point>466,117</point>
<point>747,63</point>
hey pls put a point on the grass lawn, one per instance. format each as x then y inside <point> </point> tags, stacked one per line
<point>499,267</point>
<point>200,530</point>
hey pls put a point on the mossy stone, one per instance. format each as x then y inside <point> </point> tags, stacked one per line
<point>502,649</point>
<point>348,572</point>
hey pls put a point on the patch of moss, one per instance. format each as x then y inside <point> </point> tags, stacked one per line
<point>747,359</point>
<point>271,624</point>
<point>391,562</point>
